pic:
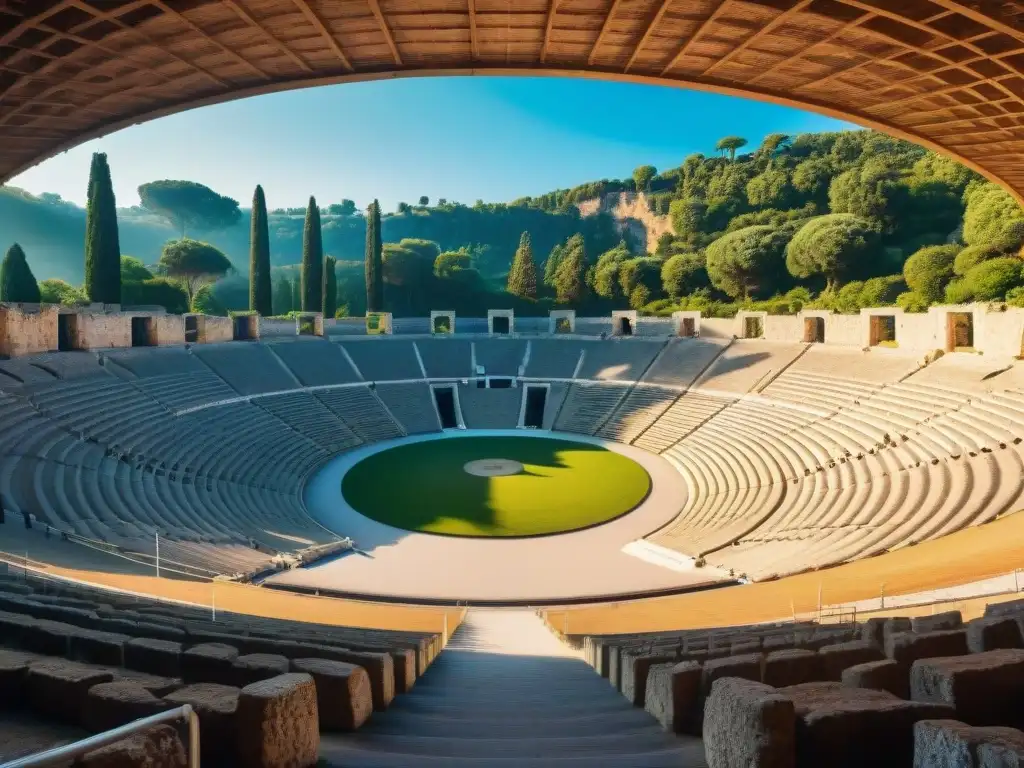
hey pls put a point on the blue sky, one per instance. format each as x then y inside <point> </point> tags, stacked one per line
<point>461,138</point>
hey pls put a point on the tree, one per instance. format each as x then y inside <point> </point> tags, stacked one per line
<point>282,295</point>
<point>260,299</point>
<point>830,246</point>
<point>345,208</point>
<point>769,189</point>
<point>403,208</point>
<point>682,274</point>
<point>864,191</point>
<point>640,297</point>
<point>449,262</point>
<point>730,144</point>
<point>928,271</point>
<point>54,291</point>
<point>688,217</point>
<point>330,291</point>
<point>188,204</point>
<point>193,264</point>
<point>373,256</point>
<point>424,201</point>
<point>522,277</point>
<point>312,260</point>
<point>772,145</point>
<point>747,261</point>
<point>570,277</point>
<point>642,176</point>
<point>639,271</point>
<point>992,217</point>
<point>156,291</point>
<point>296,290</point>
<point>102,245</point>
<point>17,283</point>
<point>205,302</point>
<point>972,256</point>
<point>552,263</point>
<point>133,271</point>
<point>988,281</point>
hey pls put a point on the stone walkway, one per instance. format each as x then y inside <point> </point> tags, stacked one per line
<point>506,692</point>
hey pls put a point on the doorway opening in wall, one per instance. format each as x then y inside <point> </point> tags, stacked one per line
<point>814,330</point>
<point>687,328</point>
<point>533,412</point>
<point>625,327</point>
<point>499,326</point>
<point>444,399</point>
<point>442,324</point>
<point>191,329</point>
<point>142,332</point>
<point>307,325</point>
<point>241,328</point>
<point>960,332</point>
<point>67,330</point>
<point>563,325</point>
<point>753,327</point>
<point>883,331</point>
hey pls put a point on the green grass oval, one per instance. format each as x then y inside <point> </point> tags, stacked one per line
<point>564,486</point>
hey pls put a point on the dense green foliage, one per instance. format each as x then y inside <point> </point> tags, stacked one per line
<point>312,261</point>
<point>193,264</point>
<point>522,277</point>
<point>102,242</point>
<point>189,205</point>
<point>330,292</point>
<point>373,256</point>
<point>259,256</point>
<point>829,220</point>
<point>17,283</point>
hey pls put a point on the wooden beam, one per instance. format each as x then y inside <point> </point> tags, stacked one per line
<point>803,51</point>
<point>695,36</point>
<point>548,26</point>
<point>28,22</point>
<point>324,33</point>
<point>212,40</point>
<point>375,7</point>
<point>655,20</point>
<point>245,16</point>
<point>981,18</point>
<point>474,43</point>
<point>765,30</point>
<point>604,30</point>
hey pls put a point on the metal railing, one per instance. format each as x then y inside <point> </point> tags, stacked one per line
<point>60,755</point>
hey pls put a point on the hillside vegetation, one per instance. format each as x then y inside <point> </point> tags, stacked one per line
<point>837,220</point>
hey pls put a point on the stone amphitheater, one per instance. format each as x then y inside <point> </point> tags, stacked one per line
<point>172,535</point>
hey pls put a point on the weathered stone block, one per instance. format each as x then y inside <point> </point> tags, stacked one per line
<point>983,688</point>
<point>746,667</point>
<point>873,631</point>
<point>209,663</point>
<point>894,625</point>
<point>344,699</point>
<point>158,657</point>
<point>951,744</point>
<point>216,707</point>
<point>13,671</point>
<point>59,689</point>
<point>792,667</point>
<point>748,725</point>
<point>50,638</point>
<point>843,727</point>
<point>836,658</point>
<point>110,705</point>
<point>993,633</point>
<point>97,647</point>
<point>254,667</point>
<point>157,747</point>
<point>885,675</point>
<point>673,696</point>
<point>936,622</point>
<point>278,723</point>
<point>908,647</point>
<point>635,667</point>
<point>155,684</point>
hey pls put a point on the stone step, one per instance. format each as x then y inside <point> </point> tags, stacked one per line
<point>430,724</point>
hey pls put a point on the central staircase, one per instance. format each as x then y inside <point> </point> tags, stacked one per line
<point>507,692</point>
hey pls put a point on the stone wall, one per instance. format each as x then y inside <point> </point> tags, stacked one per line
<point>170,329</point>
<point>27,330</point>
<point>215,329</point>
<point>102,331</point>
<point>786,328</point>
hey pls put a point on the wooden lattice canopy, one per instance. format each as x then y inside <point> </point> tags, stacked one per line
<point>945,73</point>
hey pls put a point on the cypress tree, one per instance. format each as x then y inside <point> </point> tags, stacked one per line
<point>522,278</point>
<point>330,287</point>
<point>570,282</point>
<point>102,246</point>
<point>296,285</point>
<point>282,295</point>
<point>17,283</point>
<point>374,268</point>
<point>260,297</point>
<point>312,260</point>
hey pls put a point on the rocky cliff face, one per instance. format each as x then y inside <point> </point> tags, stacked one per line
<point>632,214</point>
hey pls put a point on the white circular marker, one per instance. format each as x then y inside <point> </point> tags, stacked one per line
<point>493,467</point>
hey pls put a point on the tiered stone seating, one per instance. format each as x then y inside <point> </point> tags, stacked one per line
<point>588,405</point>
<point>446,358</point>
<point>316,363</point>
<point>310,417</point>
<point>250,369</point>
<point>553,358</point>
<point>363,411</point>
<point>411,405</point>
<point>393,360</point>
<point>618,360</point>
<point>490,408</point>
<point>499,357</point>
